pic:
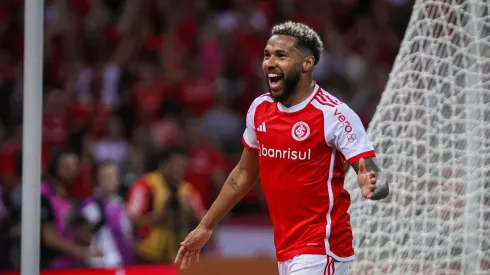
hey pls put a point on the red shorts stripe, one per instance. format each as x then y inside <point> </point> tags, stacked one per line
<point>326,271</point>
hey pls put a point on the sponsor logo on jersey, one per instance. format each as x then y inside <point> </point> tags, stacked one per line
<point>300,131</point>
<point>343,120</point>
<point>284,153</point>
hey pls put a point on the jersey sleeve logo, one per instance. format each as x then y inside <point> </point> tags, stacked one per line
<point>300,131</point>
<point>351,137</point>
<point>262,128</point>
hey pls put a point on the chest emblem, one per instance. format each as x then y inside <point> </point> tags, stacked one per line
<point>300,131</point>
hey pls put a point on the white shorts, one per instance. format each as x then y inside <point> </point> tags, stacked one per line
<point>313,265</point>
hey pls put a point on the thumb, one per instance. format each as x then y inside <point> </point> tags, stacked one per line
<point>362,167</point>
<point>187,241</point>
<point>186,244</point>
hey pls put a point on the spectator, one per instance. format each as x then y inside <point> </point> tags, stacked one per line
<point>58,235</point>
<point>105,211</point>
<point>10,211</point>
<point>134,168</point>
<point>223,124</point>
<point>207,164</point>
<point>163,208</point>
<point>113,146</point>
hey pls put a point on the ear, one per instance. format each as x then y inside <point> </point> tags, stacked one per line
<point>308,63</point>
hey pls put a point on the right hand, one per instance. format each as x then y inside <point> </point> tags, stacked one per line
<point>191,247</point>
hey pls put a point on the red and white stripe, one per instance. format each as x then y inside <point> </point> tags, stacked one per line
<point>329,266</point>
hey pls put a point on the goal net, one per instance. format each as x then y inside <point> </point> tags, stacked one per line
<point>431,131</point>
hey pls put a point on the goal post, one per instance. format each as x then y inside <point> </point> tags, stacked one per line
<point>31,138</point>
<point>431,132</point>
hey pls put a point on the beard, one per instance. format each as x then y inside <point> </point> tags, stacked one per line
<point>290,84</point>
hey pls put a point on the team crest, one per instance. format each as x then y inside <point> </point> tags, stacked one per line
<point>300,131</point>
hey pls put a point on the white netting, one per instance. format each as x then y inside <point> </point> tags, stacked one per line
<point>431,131</point>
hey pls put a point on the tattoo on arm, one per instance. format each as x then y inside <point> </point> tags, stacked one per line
<point>233,183</point>
<point>371,165</point>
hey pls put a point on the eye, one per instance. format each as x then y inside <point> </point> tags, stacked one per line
<point>267,55</point>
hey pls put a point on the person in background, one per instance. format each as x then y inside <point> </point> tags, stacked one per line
<point>60,242</point>
<point>113,146</point>
<point>223,123</point>
<point>207,164</point>
<point>134,168</point>
<point>106,213</point>
<point>10,210</point>
<point>163,208</point>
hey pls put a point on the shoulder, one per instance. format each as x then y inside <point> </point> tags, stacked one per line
<point>265,98</point>
<point>142,184</point>
<point>332,107</point>
<point>146,179</point>
<point>141,180</point>
<point>257,104</point>
<point>154,179</point>
<point>117,200</point>
<point>186,188</point>
<point>326,102</point>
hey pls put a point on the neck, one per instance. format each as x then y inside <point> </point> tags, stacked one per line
<point>169,178</point>
<point>58,187</point>
<point>104,193</point>
<point>302,92</point>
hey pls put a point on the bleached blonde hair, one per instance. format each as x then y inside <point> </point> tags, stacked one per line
<point>306,37</point>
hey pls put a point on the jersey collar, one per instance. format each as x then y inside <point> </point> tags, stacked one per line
<point>300,106</point>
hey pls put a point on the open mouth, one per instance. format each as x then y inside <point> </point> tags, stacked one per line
<point>275,81</point>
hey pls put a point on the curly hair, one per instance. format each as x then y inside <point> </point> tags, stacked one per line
<point>306,37</point>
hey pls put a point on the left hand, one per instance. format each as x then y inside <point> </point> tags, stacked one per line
<point>366,180</point>
<point>191,247</point>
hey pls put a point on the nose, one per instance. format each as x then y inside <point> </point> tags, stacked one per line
<point>270,63</point>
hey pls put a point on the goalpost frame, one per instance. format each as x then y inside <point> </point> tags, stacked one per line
<point>475,180</point>
<point>31,138</point>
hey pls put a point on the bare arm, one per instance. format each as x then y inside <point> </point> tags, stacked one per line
<point>51,239</point>
<point>381,189</point>
<point>239,182</point>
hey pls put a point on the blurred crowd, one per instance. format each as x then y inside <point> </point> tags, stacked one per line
<point>144,106</point>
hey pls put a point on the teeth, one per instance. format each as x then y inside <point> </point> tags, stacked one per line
<point>273,75</point>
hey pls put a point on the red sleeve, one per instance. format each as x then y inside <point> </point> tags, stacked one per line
<point>356,158</point>
<point>250,149</point>
<point>139,198</point>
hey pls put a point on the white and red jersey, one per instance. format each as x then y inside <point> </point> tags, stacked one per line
<point>302,150</point>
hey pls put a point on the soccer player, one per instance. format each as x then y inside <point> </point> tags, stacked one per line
<point>297,138</point>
